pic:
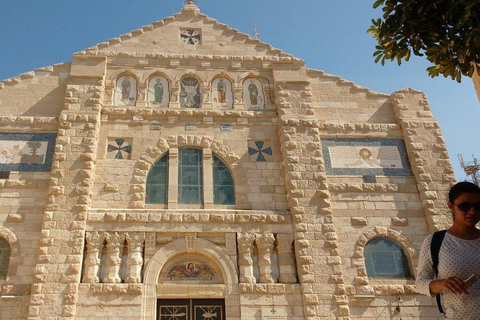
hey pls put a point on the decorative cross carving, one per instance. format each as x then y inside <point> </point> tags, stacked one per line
<point>260,151</point>
<point>121,147</point>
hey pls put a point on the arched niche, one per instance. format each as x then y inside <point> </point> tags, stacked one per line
<point>125,92</point>
<point>172,254</point>
<point>222,92</point>
<point>158,94</point>
<point>190,92</point>
<point>253,93</point>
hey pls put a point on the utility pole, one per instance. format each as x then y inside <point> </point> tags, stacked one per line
<point>472,169</point>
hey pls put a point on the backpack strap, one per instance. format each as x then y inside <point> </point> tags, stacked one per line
<point>437,240</point>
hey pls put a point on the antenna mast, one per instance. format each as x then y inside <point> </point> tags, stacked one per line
<point>472,169</point>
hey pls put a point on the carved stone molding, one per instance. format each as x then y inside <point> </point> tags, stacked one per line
<point>264,244</point>
<point>245,257</point>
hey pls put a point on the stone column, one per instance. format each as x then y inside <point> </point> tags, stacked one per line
<point>58,270</point>
<point>320,271</point>
<point>264,244</point>
<point>92,257</point>
<point>245,259</point>
<point>428,155</point>
<point>286,258</point>
<point>172,178</point>
<point>207,178</point>
<point>134,261</point>
<point>115,243</point>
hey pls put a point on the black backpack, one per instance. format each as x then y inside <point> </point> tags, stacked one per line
<point>437,240</point>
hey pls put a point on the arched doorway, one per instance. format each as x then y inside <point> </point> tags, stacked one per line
<point>198,282</point>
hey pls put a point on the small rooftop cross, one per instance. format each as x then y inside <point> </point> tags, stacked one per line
<point>255,31</point>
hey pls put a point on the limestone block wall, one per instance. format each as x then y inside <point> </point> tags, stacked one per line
<point>39,93</point>
<point>336,100</point>
<point>259,184</point>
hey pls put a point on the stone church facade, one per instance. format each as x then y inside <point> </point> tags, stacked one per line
<point>188,171</point>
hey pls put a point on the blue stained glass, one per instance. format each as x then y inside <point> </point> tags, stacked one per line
<point>5,252</point>
<point>111,148</point>
<point>190,176</point>
<point>385,259</point>
<point>157,182</point>
<point>261,158</point>
<point>223,186</point>
<point>118,155</point>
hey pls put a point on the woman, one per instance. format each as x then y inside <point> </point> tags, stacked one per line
<point>459,257</point>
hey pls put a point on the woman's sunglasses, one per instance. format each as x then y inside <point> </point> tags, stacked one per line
<point>466,206</point>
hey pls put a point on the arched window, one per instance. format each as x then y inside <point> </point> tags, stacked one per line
<point>384,258</point>
<point>190,176</point>
<point>191,186</point>
<point>157,182</point>
<point>223,187</point>
<point>4,257</point>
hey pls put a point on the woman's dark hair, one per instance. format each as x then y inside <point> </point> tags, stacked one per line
<point>461,188</point>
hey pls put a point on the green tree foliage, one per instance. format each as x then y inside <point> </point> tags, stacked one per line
<point>447,32</point>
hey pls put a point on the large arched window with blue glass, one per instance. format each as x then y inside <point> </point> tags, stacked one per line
<point>157,182</point>
<point>223,186</point>
<point>384,258</point>
<point>191,179</point>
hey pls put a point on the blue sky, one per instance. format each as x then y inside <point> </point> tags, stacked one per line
<point>330,35</point>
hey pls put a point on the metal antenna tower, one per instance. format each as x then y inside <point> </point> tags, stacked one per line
<point>472,169</point>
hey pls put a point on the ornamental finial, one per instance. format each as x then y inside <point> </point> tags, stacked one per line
<point>190,3</point>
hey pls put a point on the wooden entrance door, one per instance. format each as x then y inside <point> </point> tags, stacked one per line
<point>191,309</point>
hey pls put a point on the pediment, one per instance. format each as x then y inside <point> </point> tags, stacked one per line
<point>210,39</point>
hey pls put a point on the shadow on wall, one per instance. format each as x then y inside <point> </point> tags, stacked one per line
<point>50,105</point>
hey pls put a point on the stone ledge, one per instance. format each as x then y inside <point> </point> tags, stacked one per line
<point>24,184</point>
<point>6,120</point>
<point>113,288</point>
<point>372,187</point>
<point>382,289</point>
<point>269,288</point>
<point>189,216</point>
<point>129,113</point>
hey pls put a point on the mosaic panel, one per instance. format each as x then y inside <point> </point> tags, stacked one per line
<point>191,36</point>
<point>190,93</point>
<point>31,152</point>
<point>222,95</point>
<point>119,148</point>
<point>375,157</point>
<point>191,270</point>
<point>125,93</point>
<point>253,94</point>
<point>158,92</point>
<point>260,151</point>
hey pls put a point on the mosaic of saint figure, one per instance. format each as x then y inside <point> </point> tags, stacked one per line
<point>253,95</point>
<point>365,160</point>
<point>253,90</point>
<point>222,95</point>
<point>158,92</point>
<point>126,86</point>
<point>125,91</point>
<point>190,95</point>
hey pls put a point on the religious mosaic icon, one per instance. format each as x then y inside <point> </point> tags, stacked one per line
<point>260,151</point>
<point>26,152</point>
<point>125,92</point>
<point>190,96</point>
<point>222,95</point>
<point>158,92</point>
<point>187,270</point>
<point>120,149</point>
<point>253,94</point>
<point>190,36</point>
<point>365,157</point>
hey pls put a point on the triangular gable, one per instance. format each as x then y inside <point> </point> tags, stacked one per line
<point>162,38</point>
